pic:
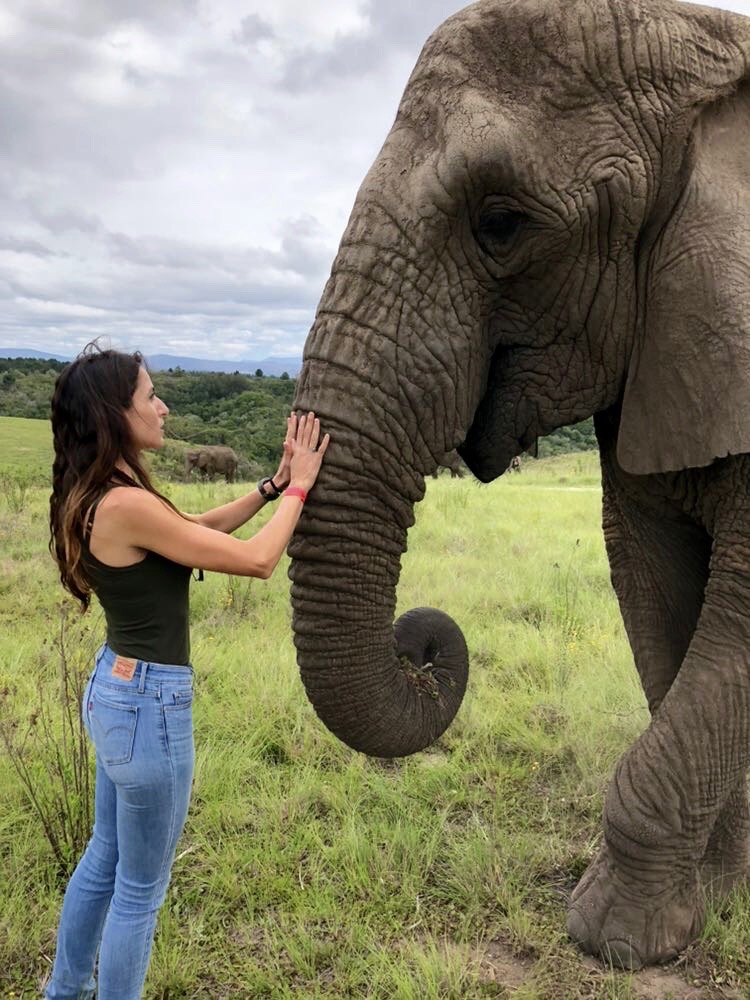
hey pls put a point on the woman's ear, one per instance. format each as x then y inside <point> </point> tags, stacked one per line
<point>687,395</point>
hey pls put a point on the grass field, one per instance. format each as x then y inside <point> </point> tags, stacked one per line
<point>25,446</point>
<point>309,870</point>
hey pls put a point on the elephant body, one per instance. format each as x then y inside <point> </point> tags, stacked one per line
<point>210,459</point>
<point>557,226</point>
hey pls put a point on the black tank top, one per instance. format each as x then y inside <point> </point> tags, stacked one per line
<point>146,604</point>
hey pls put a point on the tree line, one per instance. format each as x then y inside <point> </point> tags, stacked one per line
<point>247,412</point>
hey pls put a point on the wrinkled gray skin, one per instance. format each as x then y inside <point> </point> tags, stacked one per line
<point>557,226</point>
<point>210,459</point>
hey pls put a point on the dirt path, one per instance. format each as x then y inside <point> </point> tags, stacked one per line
<point>500,966</point>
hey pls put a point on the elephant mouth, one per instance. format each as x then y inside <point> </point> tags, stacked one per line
<point>505,422</point>
<point>487,467</point>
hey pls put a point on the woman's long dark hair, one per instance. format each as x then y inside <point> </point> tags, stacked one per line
<point>90,434</point>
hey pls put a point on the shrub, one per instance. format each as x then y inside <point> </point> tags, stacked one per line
<point>48,748</point>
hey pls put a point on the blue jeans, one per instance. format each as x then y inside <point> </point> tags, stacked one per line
<point>142,730</point>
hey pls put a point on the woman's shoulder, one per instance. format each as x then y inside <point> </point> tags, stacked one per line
<point>131,519</point>
<point>131,501</point>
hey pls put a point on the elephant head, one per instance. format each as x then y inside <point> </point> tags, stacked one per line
<point>191,460</point>
<point>556,223</point>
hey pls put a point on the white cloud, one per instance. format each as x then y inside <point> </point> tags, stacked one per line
<point>177,174</point>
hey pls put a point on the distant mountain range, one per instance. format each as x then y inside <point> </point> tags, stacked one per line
<point>161,362</point>
<point>26,352</point>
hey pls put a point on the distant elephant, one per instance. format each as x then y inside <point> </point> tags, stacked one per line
<point>453,463</point>
<point>515,464</point>
<point>210,459</point>
<point>558,225</point>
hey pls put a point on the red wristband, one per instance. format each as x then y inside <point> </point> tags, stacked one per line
<point>296,491</point>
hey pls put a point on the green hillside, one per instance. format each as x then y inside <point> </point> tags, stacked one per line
<point>26,454</point>
<point>245,411</point>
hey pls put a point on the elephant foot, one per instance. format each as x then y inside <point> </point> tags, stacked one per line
<point>630,925</point>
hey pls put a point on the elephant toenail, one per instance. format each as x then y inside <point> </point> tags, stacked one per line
<point>621,955</point>
<point>578,928</point>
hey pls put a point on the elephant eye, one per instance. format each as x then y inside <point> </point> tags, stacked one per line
<point>497,226</point>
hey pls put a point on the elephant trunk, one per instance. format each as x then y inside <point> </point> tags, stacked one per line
<point>385,690</point>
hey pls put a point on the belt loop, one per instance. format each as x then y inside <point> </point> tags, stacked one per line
<point>142,684</point>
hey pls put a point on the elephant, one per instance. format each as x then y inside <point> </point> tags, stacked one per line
<point>515,464</point>
<point>210,459</point>
<point>556,227</point>
<point>453,463</point>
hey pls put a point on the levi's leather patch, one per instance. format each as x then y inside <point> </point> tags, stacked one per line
<point>124,668</point>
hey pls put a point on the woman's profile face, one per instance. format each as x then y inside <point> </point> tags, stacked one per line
<point>145,415</point>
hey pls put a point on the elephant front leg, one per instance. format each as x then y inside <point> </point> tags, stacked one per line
<point>675,793</point>
<point>659,567</point>
<point>659,562</point>
<point>641,900</point>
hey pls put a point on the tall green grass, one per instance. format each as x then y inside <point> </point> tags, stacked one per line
<point>309,870</point>
<point>25,446</point>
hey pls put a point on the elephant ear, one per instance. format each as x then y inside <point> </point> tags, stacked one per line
<point>687,394</point>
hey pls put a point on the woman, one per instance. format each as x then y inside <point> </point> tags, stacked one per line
<point>112,532</point>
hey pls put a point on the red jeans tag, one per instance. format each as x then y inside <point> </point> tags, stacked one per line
<point>124,668</point>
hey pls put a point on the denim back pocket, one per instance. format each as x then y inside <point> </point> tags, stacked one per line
<point>112,728</point>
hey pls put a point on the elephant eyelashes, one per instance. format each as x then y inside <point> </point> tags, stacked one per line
<point>497,227</point>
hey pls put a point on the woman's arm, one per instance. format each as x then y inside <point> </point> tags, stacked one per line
<point>230,515</point>
<point>143,521</point>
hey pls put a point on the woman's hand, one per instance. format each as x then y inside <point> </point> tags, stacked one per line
<point>306,453</point>
<point>282,475</point>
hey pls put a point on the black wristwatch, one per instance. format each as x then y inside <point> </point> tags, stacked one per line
<point>268,489</point>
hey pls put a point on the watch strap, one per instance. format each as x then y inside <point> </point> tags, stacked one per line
<point>268,489</point>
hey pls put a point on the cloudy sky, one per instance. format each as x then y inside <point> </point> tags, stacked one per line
<point>177,174</point>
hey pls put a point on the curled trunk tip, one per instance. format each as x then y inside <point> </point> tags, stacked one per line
<point>404,705</point>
